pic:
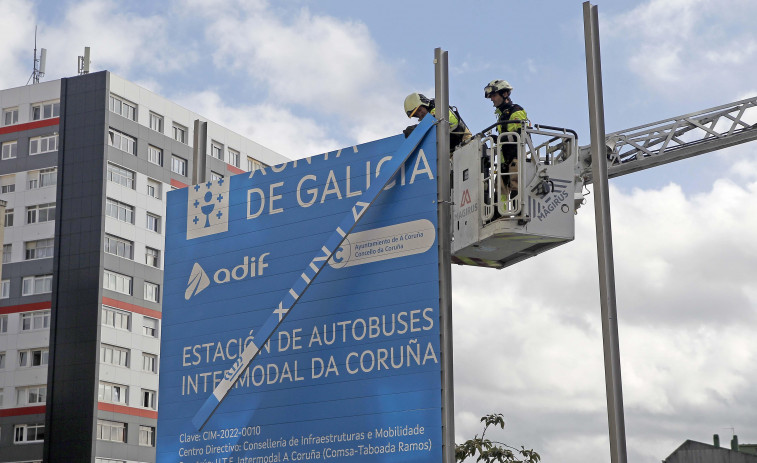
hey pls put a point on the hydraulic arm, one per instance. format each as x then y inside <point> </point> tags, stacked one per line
<point>676,138</point>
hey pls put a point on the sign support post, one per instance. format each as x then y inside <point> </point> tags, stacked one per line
<point>445,263</point>
<point>613,383</point>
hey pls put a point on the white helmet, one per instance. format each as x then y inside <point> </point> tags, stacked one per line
<point>415,101</point>
<point>496,86</point>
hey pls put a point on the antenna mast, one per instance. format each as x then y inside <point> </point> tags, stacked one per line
<point>39,64</point>
<point>84,62</point>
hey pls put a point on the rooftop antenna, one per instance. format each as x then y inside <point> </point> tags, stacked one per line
<point>84,62</point>
<point>39,64</point>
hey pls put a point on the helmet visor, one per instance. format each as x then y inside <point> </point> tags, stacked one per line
<point>412,113</point>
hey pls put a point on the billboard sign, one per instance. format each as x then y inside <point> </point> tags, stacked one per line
<point>301,311</point>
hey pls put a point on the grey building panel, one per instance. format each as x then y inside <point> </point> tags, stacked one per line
<point>23,161</point>
<point>75,323</point>
<point>19,452</point>
<point>139,273</point>
<point>15,272</point>
<point>119,451</point>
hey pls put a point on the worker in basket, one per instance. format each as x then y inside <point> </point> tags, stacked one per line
<point>498,91</point>
<point>417,105</point>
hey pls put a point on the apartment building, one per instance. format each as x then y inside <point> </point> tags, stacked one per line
<point>85,166</point>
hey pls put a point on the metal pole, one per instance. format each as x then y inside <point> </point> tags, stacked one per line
<point>613,384</point>
<point>445,242</point>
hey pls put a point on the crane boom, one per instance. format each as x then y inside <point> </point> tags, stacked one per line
<point>676,138</point>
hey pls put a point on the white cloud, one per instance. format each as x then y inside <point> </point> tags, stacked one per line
<point>327,67</point>
<point>681,47</point>
<point>120,40</point>
<point>276,128</point>
<point>17,52</point>
<point>528,338</point>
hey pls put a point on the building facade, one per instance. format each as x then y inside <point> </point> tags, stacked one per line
<point>85,166</point>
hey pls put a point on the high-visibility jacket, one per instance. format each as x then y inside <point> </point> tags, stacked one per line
<point>510,111</point>
<point>506,112</point>
<point>458,131</point>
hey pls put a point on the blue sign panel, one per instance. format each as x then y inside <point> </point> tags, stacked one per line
<point>301,311</point>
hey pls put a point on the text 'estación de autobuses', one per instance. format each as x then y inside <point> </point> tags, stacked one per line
<point>408,351</point>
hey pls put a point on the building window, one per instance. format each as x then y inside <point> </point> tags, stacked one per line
<point>119,210</point>
<point>148,399</point>
<point>234,157</point>
<point>152,292</point>
<point>5,293</point>
<point>114,355</point>
<point>40,249</point>
<point>215,176</point>
<point>122,141</point>
<point>149,364</point>
<point>152,257</point>
<point>42,178</point>
<point>44,144</point>
<point>8,218</point>
<point>40,213</point>
<point>216,150</point>
<point>147,436</point>
<point>150,327</point>
<point>123,108</point>
<point>178,165</point>
<point>155,155</point>
<point>10,116</point>
<point>180,133</point>
<point>119,247</point>
<point>115,318</point>
<point>10,150</point>
<point>2,362</point>
<point>253,164</point>
<point>113,393</point>
<point>112,431</point>
<point>32,358</point>
<point>38,284</point>
<point>8,183</point>
<point>29,433</point>
<point>45,110</point>
<point>33,395</point>
<point>153,222</point>
<point>4,321</point>
<point>36,320</point>
<point>7,250</point>
<point>121,176</point>
<point>117,282</point>
<point>153,188</point>
<point>156,122</point>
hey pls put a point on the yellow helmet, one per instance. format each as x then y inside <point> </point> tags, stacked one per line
<point>415,101</point>
<point>496,86</point>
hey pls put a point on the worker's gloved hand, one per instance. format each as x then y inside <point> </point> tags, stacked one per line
<point>409,130</point>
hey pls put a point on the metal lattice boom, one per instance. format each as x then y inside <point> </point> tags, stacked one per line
<point>677,138</point>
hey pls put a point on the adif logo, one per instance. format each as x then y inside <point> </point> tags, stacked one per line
<point>208,209</point>
<point>198,280</point>
<point>248,268</point>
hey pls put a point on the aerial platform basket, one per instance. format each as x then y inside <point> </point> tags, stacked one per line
<point>503,215</point>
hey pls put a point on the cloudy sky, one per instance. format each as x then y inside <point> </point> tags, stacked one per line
<point>305,76</point>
